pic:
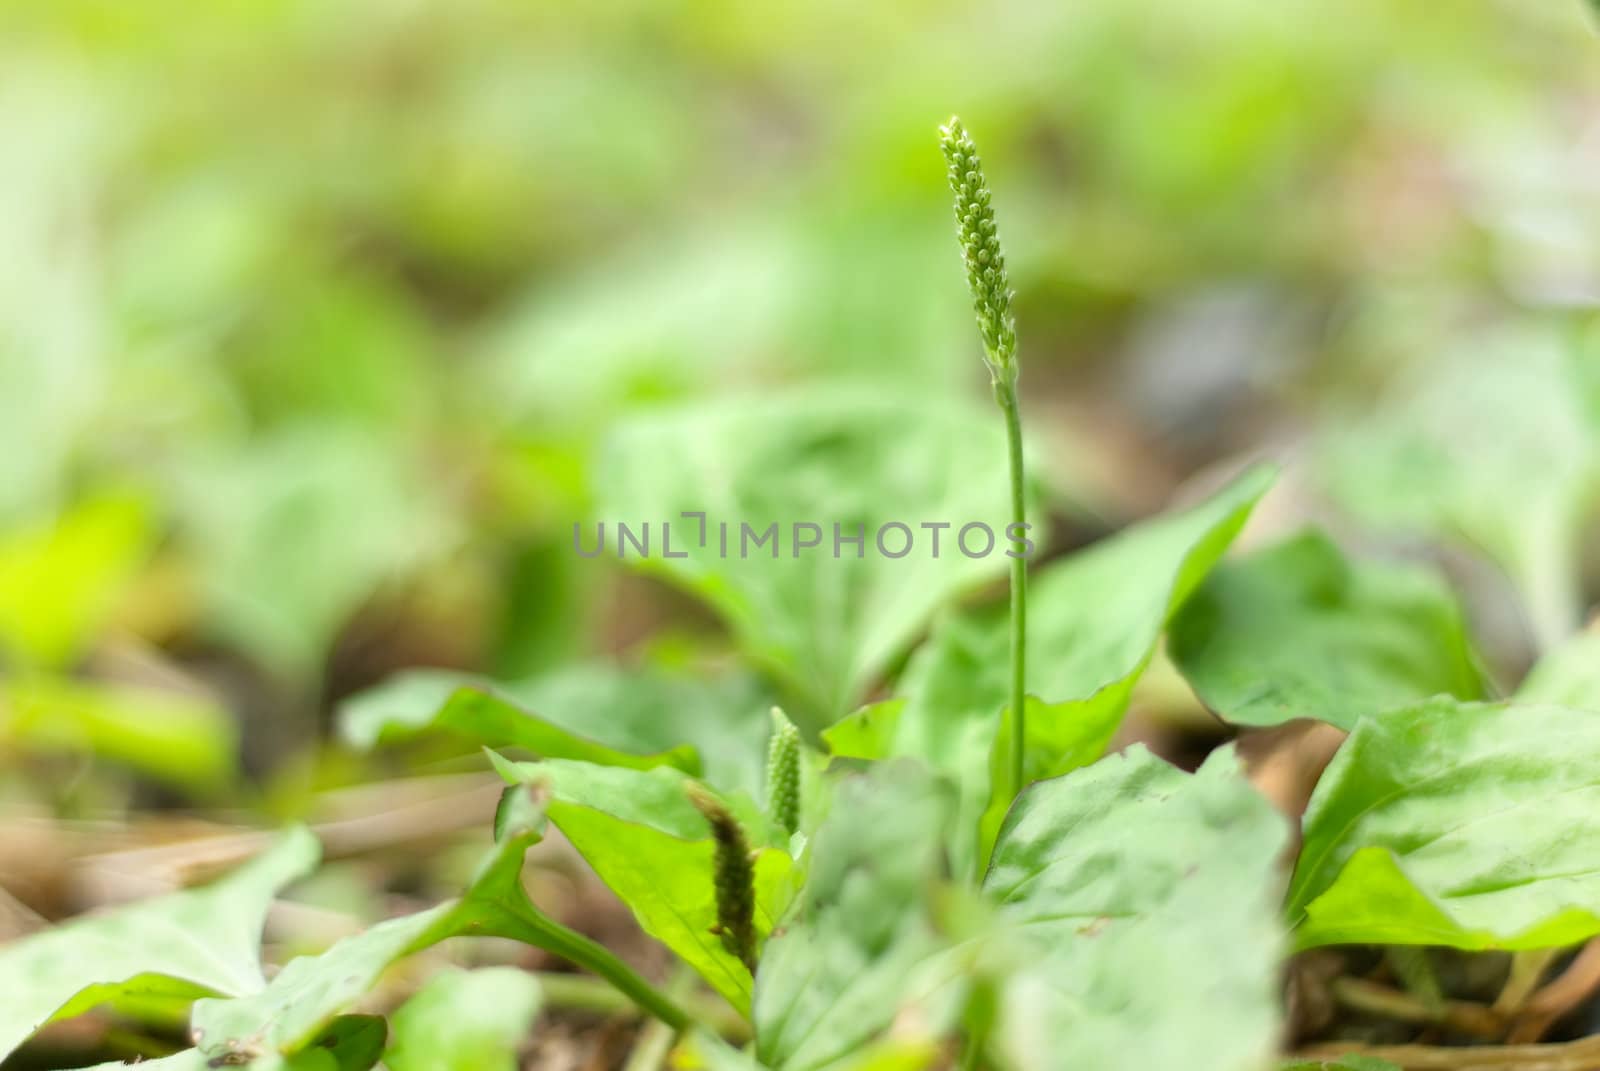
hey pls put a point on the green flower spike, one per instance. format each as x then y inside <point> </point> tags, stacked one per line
<point>980,251</point>
<point>735,878</point>
<point>783,773</point>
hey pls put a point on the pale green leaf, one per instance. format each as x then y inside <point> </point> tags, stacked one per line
<point>1468,825</point>
<point>303,998</point>
<point>180,946</point>
<point>1113,878</point>
<point>857,954</point>
<point>825,625</point>
<point>648,843</point>
<point>1568,675</point>
<point>465,1021</point>
<point>1299,631</point>
<point>1489,446</point>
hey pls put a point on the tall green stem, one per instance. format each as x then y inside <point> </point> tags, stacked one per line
<point>1007,397</point>
<point>991,304</point>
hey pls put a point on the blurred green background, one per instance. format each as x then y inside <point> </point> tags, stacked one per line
<point>313,315</point>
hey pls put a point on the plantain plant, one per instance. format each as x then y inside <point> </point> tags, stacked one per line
<point>897,892</point>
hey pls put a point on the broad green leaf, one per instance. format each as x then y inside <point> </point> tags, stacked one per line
<point>1093,624</point>
<point>648,843</point>
<point>184,739</point>
<point>59,581</point>
<point>1347,1063</point>
<point>1491,447</point>
<point>825,624</point>
<point>304,997</point>
<point>854,957</point>
<point>597,712</point>
<point>470,708</point>
<point>1299,631</point>
<point>1468,825</point>
<point>465,1021</point>
<point>1141,904</point>
<point>180,946</point>
<point>1568,676</point>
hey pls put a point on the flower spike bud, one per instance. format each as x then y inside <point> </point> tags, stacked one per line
<point>783,773</point>
<point>980,251</point>
<point>735,878</point>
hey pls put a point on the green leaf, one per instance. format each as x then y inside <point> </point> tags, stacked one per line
<point>304,997</point>
<point>1298,631</point>
<point>1093,625</point>
<point>1348,1063</point>
<point>469,708</point>
<point>1490,447</point>
<point>180,946</point>
<point>1567,676</point>
<point>184,739</point>
<point>852,961</point>
<point>597,712</point>
<point>1111,876</point>
<point>1468,825</point>
<point>59,582</point>
<point>649,844</point>
<point>824,625</point>
<point>465,1021</point>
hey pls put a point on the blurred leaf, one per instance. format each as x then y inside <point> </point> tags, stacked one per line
<point>856,958</point>
<point>1093,623</point>
<point>1450,453</point>
<point>1298,631</point>
<point>58,582</point>
<point>1116,872</point>
<point>649,844</point>
<point>465,1021</point>
<point>826,626</point>
<point>1568,676</point>
<point>182,738</point>
<point>292,534</point>
<point>600,712</point>
<point>309,992</point>
<point>1460,824</point>
<point>468,707</point>
<point>182,946</point>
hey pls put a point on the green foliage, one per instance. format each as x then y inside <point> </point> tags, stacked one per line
<point>1095,620</point>
<point>1348,1063</point>
<point>184,740</point>
<point>823,626</point>
<point>645,839</point>
<point>1447,823</point>
<point>1111,876</point>
<point>465,1021</point>
<point>861,952</point>
<point>458,704</point>
<point>304,998</point>
<point>1453,452</point>
<point>171,949</point>
<point>1298,631</point>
